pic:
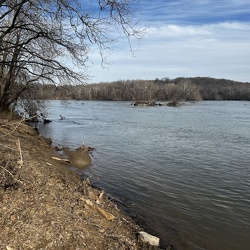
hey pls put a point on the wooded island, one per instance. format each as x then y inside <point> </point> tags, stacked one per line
<point>181,88</point>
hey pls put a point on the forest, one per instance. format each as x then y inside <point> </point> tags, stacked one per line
<point>178,89</point>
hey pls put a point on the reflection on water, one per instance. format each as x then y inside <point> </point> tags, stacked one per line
<point>184,170</point>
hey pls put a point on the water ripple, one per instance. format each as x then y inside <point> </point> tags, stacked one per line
<point>184,170</point>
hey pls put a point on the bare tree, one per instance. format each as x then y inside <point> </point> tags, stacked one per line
<point>43,40</point>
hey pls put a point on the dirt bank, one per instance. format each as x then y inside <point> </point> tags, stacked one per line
<point>46,206</point>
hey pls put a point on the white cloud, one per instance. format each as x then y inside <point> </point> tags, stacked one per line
<point>176,31</point>
<point>217,50</point>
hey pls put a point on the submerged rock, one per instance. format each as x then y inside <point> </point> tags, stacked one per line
<point>80,157</point>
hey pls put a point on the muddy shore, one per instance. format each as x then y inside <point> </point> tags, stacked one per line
<point>44,205</point>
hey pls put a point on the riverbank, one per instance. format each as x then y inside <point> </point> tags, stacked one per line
<point>44,205</point>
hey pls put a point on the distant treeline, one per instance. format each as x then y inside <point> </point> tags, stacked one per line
<point>189,89</point>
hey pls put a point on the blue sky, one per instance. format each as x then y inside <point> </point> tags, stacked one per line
<point>185,38</point>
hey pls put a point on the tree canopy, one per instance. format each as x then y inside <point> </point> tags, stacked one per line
<point>45,41</point>
<point>165,89</point>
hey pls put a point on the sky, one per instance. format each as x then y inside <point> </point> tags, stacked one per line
<point>185,38</point>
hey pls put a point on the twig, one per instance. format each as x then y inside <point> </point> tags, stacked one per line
<point>8,147</point>
<point>21,157</point>
<point>42,111</point>
<point>11,174</point>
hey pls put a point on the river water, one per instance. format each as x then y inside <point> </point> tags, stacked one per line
<point>184,171</point>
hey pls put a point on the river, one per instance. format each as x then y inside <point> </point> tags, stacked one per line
<point>184,172</point>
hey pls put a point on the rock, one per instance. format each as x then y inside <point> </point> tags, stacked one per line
<point>148,238</point>
<point>90,149</point>
<point>145,103</point>
<point>58,148</point>
<point>80,157</point>
<point>45,120</point>
<point>174,103</point>
<point>47,140</point>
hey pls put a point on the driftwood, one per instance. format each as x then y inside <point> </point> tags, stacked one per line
<point>99,200</point>
<point>105,214</point>
<point>20,162</point>
<point>60,159</point>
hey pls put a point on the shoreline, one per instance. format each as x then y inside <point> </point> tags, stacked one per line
<point>46,205</point>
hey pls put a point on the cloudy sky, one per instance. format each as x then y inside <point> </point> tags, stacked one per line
<point>185,38</point>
